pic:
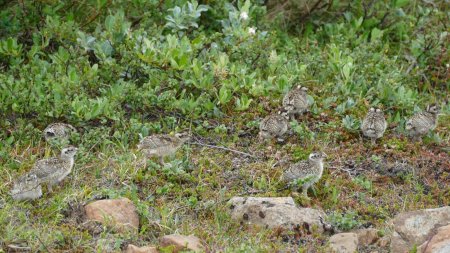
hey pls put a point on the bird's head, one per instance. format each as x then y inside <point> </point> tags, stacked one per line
<point>317,156</point>
<point>301,88</point>
<point>183,136</point>
<point>433,108</point>
<point>375,110</point>
<point>69,152</point>
<point>284,113</point>
<point>49,133</point>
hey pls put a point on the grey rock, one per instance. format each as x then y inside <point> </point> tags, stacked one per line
<point>26,187</point>
<point>119,213</point>
<point>366,236</point>
<point>135,249</point>
<point>414,228</point>
<point>344,243</point>
<point>182,243</point>
<point>275,213</point>
<point>440,243</point>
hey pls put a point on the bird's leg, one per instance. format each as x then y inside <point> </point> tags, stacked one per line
<point>305,191</point>
<point>172,157</point>
<point>417,138</point>
<point>49,187</point>
<point>161,160</point>
<point>280,139</point>
<point>292,116</point>
<point>290,131</point>
<point>374,141</point>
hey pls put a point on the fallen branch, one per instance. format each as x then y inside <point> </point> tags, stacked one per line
<point>43,244</point>
<point>19,248</point>
<point>225,148</point>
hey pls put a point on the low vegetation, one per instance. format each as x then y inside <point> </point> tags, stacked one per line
<point>118,70</point>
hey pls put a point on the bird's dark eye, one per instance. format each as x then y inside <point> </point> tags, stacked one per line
<point>50,133</point>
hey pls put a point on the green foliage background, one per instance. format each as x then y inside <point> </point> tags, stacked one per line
<point>116,69</point>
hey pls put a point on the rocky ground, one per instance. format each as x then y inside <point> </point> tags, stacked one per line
<point>122,70</point>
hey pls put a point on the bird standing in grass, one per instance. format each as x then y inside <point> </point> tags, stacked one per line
<point>423,122</point>
<point>274,125</point>
<point>374,124</point>
<point>53,170</point>
<point>27,187</point>
<point>58,131</point>
<point>296,101</point>
<point>306,172</point>
<point>162,145</point>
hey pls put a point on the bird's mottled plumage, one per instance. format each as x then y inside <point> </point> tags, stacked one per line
<point>58,131</point>
<point>423,122</point>
<point>53,170</point>
<point>162,145</point>
<point>308,171</point>
<point>27,187</point>
<point>296,100</point>
<point>374,124</point>
<point>274,125</point>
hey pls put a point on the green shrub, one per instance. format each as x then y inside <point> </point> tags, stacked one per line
<point>344,222</point>
<point>121,70</point>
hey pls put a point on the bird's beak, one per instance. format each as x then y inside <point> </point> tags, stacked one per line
<point>324,155</point>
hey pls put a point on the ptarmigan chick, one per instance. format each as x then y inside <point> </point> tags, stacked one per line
<point>27,187</point>
<point>423,122</point>
<point>53,170</point>
<point>296,101</point>
<point>58,131</point>
<point>374,124</point>
<point>309,171</point>
<point>162,145</point>
<point>274,125</point>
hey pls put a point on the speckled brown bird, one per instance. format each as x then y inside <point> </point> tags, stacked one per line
<point>274,125</point>
<point>423,122</point>
<point>53,170</point>
<point>374,124</point>
<point>27,187</point>
<point>296,101</point>
<point>58,131</point>
<point>162,145</point>
<point>308,172</point>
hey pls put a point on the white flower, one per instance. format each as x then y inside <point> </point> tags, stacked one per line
<point>129,32</point>
<point>244,15</point>
<point>252,30</point>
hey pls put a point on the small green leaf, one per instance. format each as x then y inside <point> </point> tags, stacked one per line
<point>376,34</point>
<point>400,3</point>
<point>224,95</point>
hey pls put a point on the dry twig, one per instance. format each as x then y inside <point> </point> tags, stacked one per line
<point>225,148</point>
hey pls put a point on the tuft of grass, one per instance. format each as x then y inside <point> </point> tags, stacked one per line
<point>119,70</point>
